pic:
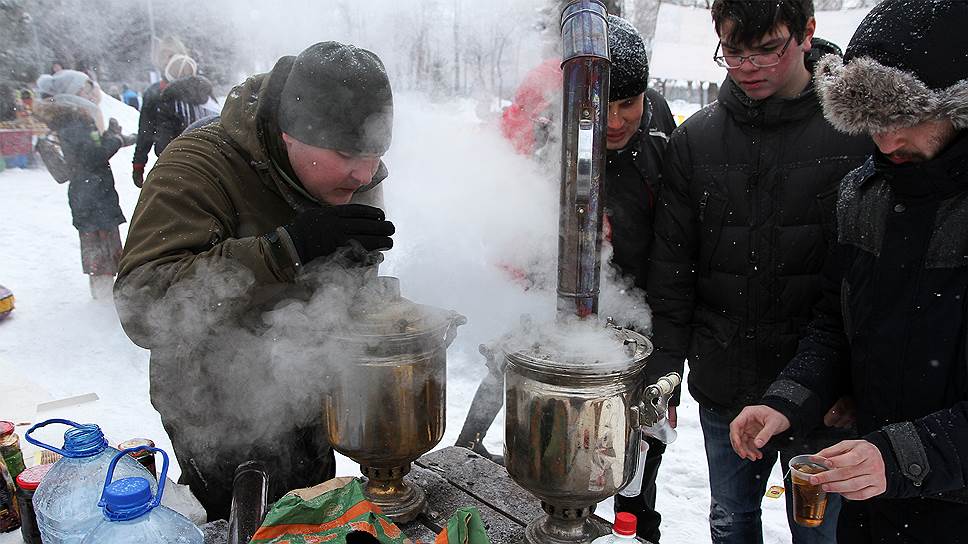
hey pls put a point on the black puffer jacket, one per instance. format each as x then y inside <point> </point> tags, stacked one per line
<point>892,326</point>
<point>632,180</point>
<point>91,194</point>
<point>168,108</point>
<point>742,227</point>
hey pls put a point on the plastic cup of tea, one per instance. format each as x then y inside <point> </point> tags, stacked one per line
<point>809,501</point>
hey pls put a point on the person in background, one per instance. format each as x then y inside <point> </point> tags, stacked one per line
<point>169,106</point>
<point>230,216</point>
<point>130,97</point>
<point>70,109</point>
<point>744,219</point>
<point>892,325</point>
<point>639,126</point>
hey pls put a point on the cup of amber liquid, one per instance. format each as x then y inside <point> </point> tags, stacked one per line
<point>809,501</point>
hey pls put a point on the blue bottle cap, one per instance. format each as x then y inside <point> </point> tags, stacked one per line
<point>127,498</point>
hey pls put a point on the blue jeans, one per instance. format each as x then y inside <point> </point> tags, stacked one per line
<point>737,487</point>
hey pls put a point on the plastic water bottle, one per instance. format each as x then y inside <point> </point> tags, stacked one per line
<point>66,500</point>
<point>623,530</point>
<point>131,515</point>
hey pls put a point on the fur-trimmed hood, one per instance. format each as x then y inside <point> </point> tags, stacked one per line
<point>865,96</point>
<point>907,63</point>
<point>64,109</point>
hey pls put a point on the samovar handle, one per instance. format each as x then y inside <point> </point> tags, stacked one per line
<point>456,321</point>
<point>655,405</point>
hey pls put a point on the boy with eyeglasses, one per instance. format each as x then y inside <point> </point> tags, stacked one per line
<point>744,218</point>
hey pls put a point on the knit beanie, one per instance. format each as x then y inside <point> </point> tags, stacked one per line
<point>338,97</point>
<point>180,66</point>
<point>630,65</point>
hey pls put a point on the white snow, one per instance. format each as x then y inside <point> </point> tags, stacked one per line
<point>461,200</point>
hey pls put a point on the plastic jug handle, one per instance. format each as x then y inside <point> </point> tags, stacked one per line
<point>161,478</point>
<point>36,442</point>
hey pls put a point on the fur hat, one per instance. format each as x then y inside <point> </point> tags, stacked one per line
<point>906,64</point>
<point>338,97</point>
<point>630,65</point>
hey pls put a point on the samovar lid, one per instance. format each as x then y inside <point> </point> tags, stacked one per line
<point>380,315</point>
<point>583,349</point>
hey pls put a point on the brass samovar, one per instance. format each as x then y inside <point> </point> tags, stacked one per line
<point>386,403</point>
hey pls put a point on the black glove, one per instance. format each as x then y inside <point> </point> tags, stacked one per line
<point>320,231</point>
<point>138,176</point>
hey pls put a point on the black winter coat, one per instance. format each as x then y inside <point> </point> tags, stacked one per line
<point>91,194</point>
<point>741,232</point>
<point>147,123</point>
<point>892,326</point>
<point>632,180</point>
<point>170,108</point>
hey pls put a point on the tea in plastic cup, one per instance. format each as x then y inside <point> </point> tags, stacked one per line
<point>809,501</point>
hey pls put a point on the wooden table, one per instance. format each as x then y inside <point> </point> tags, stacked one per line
<point>454,477</point>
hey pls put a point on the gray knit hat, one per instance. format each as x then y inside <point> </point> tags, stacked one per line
<point>338,97</point>
<point>630,65</point>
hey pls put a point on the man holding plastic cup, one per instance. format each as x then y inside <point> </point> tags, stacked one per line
<point>892,327</point>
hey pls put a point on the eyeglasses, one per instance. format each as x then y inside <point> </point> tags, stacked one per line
<point>760,60</point>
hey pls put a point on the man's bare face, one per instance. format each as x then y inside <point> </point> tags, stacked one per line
<point>919,143</point>
<point>329,175</point>
<point>784,79</point>
<point>624,118</point>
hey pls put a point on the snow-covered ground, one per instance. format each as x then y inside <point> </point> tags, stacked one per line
<point>461,201</point>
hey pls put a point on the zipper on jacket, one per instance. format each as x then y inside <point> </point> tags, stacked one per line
<point>845,308</point>
<point>703,202</point>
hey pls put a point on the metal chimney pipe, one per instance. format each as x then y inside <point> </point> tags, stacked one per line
<point>585,66</point>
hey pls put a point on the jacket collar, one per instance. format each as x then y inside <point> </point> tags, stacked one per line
<point>942,176</point>
<point>767,113</point>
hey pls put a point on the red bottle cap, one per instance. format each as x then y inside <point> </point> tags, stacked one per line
<point>5,428</point>
<point>30,478</point>
<point>624,524</point>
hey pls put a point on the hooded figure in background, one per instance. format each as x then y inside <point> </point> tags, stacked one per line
<point>229,220</point>
<point>69,107</point>
<point>170,106</point>
<point>892,327</point>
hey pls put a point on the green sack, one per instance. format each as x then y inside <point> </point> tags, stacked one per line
<point>305,516</point>
<point>332,510</point>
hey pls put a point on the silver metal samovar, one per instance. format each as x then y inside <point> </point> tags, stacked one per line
<point>574,415</point>
<point>386,404</point>
<point>573,427</point>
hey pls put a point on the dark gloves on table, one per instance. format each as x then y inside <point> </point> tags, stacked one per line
<point>320,231</point>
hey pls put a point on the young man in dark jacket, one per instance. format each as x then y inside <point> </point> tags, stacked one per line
<point>742,227</point>
<point>170,106</point>
<point>639,125</point>
<point>892,326</point>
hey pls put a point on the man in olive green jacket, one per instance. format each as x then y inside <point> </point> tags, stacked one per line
<point>230,219</point>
